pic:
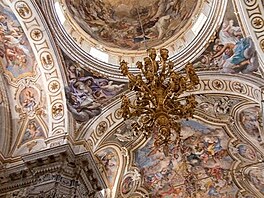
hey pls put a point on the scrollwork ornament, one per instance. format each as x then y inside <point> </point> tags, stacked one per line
<point>58,131</point>
<point>57,111</point>
<point>256,94</point>
<point>261,43</point>
<point>47,60</point>
<point>90,143</point>
<point>239,87</point>
<point>130,183</point>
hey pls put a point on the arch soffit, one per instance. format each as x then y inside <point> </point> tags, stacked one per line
<point>44,48</point>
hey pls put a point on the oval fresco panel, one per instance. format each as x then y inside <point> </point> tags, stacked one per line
<point>127,185</point>
<point>247,152</point>
<point>249,119</point>
<point>29,99</point>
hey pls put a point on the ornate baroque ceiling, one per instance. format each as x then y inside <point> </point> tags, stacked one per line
<point>53,91</point>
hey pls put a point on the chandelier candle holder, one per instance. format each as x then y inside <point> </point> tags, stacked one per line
<point>158,106</point>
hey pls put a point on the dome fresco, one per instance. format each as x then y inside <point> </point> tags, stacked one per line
<point>128,24</point>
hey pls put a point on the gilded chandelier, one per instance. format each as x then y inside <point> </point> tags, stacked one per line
<point>158,106</point>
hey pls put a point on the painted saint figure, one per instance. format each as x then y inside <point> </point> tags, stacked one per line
<point>29,101</point>
<point>33,131</point>
<point>87,93</point>
<point>238,57</point>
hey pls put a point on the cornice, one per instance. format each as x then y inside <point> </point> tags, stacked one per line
<point>53,163</point>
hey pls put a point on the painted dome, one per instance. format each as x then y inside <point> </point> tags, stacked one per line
<point>131,24</point>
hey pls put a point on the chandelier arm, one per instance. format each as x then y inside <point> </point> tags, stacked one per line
<point>140,66</point>
<point>131,78</point>
<point>176,109</point>
<point>179,92</point>
<point>166,100</point>
<point>150,93</point>
<point>191,85</point>
<point>170,66</point>
<point>142,108</point>
<point>179,115</point>
<point>147,89</point>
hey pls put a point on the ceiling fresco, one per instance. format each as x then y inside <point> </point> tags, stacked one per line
<point>210,154</point>
<point>214,149</point>
<point>216,107</point>
<point>127,24</point>
<point>33,131</point>
<point>22,81</point>
<point>256,178</point>
<point>230,52</point>
<point>18,63</point>
<point>88,92</point>
<point>198,166</point>
<point>16,54</point>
